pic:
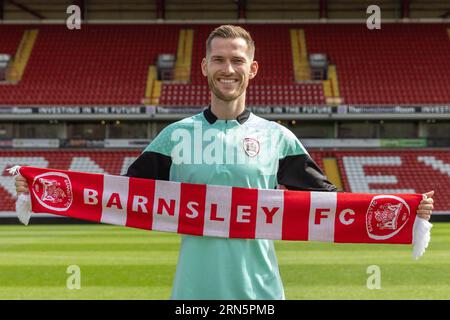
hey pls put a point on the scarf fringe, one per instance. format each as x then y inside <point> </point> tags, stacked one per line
<point>23,208</point>
<point>23,202</point>
<point>14,171</point>
<point>421,237</point>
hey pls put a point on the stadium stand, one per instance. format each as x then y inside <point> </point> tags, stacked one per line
<point>371,171</point>
<point>402,64</point>
<point>108,65</point>
<point>105,65</point>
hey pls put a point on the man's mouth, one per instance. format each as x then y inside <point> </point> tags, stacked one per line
<point>227,81</point>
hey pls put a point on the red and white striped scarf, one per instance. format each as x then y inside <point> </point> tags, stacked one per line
<point>223,211</point>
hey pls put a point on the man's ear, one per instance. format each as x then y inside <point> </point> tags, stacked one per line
<point>253,69</point>
<point>204,65</point>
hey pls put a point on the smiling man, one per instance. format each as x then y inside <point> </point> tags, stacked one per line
<point>233,147</point>
<point>230,146</point>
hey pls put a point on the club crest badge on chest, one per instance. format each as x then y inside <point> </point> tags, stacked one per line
<point>251,147</point>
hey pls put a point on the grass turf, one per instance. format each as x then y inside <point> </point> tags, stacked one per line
<point>123,263</point>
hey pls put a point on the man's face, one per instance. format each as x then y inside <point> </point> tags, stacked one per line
<point>228,68</point>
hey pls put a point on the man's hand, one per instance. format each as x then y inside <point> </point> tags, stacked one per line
<point>21,185</point>
<point>426,207</point>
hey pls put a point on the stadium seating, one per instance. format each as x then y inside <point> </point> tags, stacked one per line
<point>399,64</point>
<point>107,64</point>
<point>11,36</point>
<point>402,171</point>
<point>104,65</point>
<point>384,171</point>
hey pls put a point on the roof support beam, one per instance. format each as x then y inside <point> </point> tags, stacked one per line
<point>160,9</point>
<point>242,9</point>
<point>2,9</point>
<point>26,9</point>
<point>82,5</point>
<point>405,9</point>
<point>323,9</point>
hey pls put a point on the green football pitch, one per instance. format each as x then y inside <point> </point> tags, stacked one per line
<point>124,263</point>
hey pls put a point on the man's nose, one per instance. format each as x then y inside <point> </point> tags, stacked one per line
<point>228,68</point>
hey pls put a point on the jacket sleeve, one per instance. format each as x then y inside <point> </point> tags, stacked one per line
<point>155,161</point>
<point>300,172</point>
<point>150,165</point>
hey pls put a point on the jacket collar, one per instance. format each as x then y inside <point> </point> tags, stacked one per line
<point>211,117</point>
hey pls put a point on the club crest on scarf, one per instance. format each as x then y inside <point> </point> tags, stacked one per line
<point>251,147</point>
<point>53,190</point>
<point>386,216</point>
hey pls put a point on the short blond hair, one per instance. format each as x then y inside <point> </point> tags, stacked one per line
<point>231,32</point>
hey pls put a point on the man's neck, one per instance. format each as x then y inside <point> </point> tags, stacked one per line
<point>227,110</point>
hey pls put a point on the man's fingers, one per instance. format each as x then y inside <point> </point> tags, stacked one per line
<point>424,216</point>
<point>427,218</point>
<point>22,191</point>
<point>426,207</point>
<point>427,201</point>
<point>21,185</point>
<point>20,181</point>
<point>424,212</point>
<point>25,185</point>
<point>429,194</point>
